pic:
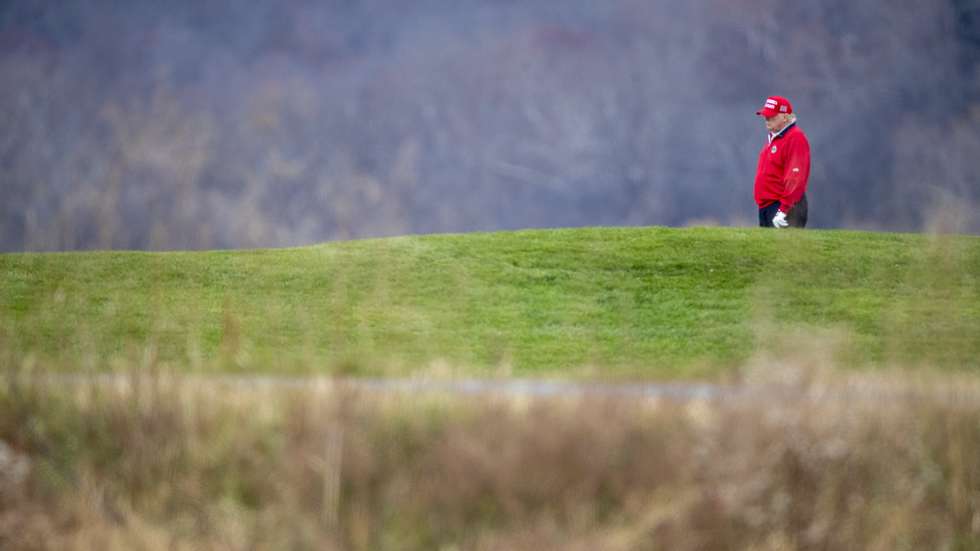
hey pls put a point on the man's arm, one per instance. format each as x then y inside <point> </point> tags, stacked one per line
<point>797,171</point>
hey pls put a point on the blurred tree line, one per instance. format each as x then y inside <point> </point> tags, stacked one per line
<point>216,123</point>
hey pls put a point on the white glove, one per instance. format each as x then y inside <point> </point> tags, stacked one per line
<point>779,220</point>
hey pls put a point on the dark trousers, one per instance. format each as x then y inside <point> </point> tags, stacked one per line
<point>796,216</point>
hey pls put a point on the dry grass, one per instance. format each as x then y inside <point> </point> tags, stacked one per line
<point>793,458</point>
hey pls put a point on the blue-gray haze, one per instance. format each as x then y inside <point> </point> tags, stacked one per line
<point>221,123</point>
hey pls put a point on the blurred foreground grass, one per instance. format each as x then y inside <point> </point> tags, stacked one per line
<point>793,458</point>
<point>639,301</point>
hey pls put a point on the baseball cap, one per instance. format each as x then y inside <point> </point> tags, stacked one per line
<point>775,105</point>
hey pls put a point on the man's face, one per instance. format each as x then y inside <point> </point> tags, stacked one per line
<point>776,122</point>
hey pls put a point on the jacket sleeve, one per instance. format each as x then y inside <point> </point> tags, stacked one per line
<point>797,171</point>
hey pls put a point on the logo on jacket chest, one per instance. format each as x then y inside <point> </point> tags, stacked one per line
<point>772,149</point>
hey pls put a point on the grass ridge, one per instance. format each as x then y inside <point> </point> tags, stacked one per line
<point>655,301</point>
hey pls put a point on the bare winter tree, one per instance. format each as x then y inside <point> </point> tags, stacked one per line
<point>207,123</point>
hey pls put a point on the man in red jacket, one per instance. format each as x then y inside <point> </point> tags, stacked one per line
<point>784,168</point>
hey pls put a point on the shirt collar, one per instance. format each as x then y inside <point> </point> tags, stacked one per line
<point>780,133</point>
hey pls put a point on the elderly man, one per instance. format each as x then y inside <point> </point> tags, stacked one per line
<point>784,167</point>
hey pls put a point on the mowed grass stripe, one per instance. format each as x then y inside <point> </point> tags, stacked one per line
<point>655,301</point>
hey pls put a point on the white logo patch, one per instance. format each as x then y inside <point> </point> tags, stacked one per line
<point>773,150</point>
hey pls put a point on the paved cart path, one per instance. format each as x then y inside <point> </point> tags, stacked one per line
<point>468,386</point>
<point>955,389</point>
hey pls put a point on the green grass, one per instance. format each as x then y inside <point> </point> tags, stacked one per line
<point>652,301</point>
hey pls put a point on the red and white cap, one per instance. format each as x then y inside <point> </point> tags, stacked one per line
<point>774,106</point>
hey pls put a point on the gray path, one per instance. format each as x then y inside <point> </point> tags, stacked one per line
<point>476,387</point>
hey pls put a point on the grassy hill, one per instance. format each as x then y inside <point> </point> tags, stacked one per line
<point>653,301</point>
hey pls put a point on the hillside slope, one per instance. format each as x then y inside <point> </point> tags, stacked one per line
<point>652,301</point>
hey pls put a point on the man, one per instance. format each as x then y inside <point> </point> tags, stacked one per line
<point>784,167</point>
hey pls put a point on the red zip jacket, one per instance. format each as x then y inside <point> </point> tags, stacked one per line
<point>784,168</point>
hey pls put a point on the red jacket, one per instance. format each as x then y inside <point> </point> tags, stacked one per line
<point>784,168</point>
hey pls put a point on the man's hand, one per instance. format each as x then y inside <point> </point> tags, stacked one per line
<point>779,220</point>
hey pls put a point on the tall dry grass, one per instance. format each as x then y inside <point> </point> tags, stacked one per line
<point>788,458</point>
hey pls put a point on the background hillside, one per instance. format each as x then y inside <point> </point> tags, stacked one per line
<point>209,123</point>
<point>652,302</point>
